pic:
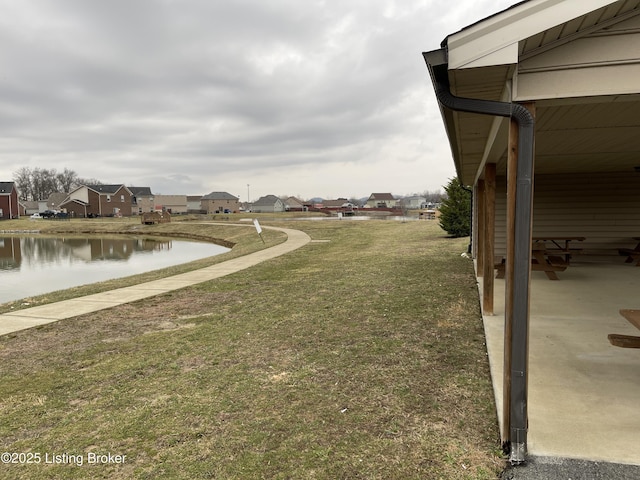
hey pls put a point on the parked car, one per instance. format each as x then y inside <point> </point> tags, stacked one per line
<point>35,216</point>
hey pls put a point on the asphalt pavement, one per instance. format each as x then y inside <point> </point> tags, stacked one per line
<point>555,468</point>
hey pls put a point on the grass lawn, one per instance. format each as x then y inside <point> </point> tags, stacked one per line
<point>358,356</point>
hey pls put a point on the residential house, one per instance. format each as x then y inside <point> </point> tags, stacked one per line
<point>220,202</point>
<point>268,204</point>
<point>9,207</point>
<point>52,202</point>
<point>334,204</point>
<point>98,200</point>
<point>143,200</point>
<point>292,204</point>
<point>29,207</point>
<point>194,204</point>
<point>381,200</point>
<point>414,202</point>
<point>174,204</point>
<point>540,104</point>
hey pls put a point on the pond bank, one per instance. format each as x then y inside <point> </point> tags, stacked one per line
<point>53,312</point>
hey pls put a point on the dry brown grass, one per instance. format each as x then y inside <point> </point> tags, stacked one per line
<point>361,357</point>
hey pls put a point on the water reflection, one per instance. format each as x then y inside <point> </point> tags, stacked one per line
<point>39,264</point>
<point>43,250</point>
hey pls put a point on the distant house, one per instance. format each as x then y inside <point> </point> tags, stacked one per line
<point>52,202</point>
<point>220,202</point>
<point>381,200</point>
<point>334,204</point>
<point>143,200</point>
<point>170,203</point>
<point>98,200</point>
<point>292,204</point>
<point>268,204</point>
<point>413,203</point>
<point>9,207</point>
<point>194,204</point>
<point>29,207</point>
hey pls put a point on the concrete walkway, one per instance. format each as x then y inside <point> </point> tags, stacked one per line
<point>31,317</point>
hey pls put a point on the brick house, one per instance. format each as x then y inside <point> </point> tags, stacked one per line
<point>99,200</point>
<point>218,202</point>
<point>143,200</point>
<point>9,207</point>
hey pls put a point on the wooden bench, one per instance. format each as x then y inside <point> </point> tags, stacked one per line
<point>632,254</point>
<point>627,341</point>
<point>548,257</point>
<point>549,266</point>
<point>557,246</point>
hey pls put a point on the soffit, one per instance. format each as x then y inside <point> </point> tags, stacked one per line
<point>592,134</point>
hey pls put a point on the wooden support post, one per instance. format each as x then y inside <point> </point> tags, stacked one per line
<point>480,229</point>
<point>489,236</point>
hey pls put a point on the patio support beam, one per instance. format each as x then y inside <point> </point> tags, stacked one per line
<point>489,236</point>
<point>480,233</point>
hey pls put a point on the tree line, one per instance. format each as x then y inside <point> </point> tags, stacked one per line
<point>39,183</point>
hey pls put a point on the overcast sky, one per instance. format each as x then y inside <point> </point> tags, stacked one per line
<point>327,98</point>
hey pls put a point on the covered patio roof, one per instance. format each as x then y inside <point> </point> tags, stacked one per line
<point>586,107</point>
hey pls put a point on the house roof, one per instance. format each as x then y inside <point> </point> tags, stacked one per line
<point>267,200</point>
<point>381,196</point>
<point>293,201</point>
<point>55,199</point>
<point>334,203</point>
<point>138,191</point>
<point>219,196</point>
<point>106,189</point>
<point>6,187</point>
<point>29,204</point>
<point>575,59</point>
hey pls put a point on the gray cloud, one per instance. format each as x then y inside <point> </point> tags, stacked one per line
<point>192,96</point>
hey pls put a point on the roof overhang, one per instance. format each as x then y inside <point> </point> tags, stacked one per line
<point>578,60</point>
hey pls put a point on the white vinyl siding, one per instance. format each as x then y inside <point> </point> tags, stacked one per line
<point>603,207</point>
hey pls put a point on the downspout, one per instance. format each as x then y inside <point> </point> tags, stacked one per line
<point>438,66</point>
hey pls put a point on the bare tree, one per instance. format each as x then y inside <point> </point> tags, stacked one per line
<point>435,196</point>
<point>39,183</point>
<point>66,180</point>
<point>22,179</point>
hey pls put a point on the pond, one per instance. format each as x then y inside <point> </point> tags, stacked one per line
<point>38,264</point>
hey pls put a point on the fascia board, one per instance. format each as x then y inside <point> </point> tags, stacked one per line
<point>496,38</point>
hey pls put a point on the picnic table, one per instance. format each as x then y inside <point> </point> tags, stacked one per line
<point>549,254</point>
<point>633,255</point>
<point>627,341</point>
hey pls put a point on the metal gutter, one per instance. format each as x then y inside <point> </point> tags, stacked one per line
<point>437,63</point>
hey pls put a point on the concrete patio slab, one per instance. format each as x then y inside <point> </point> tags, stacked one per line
<point>583,392</point>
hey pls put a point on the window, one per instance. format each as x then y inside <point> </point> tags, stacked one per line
<point>122,198</point>
<point>108,198</point>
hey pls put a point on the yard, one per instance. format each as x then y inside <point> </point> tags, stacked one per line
<point>361,355</point>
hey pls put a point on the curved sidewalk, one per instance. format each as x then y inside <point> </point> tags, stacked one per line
<point>32,317</point>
